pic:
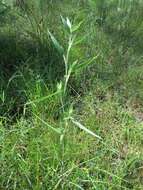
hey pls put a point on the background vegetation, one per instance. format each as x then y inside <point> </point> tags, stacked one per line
<point>71,94</point>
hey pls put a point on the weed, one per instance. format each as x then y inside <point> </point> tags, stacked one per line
<point>71,95</point>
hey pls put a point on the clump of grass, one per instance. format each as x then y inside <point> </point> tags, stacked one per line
<point>57,141</point>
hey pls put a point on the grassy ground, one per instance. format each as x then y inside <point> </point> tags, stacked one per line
<point>71,96</point>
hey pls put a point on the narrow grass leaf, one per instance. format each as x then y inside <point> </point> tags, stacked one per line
<point>76,27</point>
<point>69,24</point>
<point>85,64</point>
<point>43,98</point>
<point>59,48</point>
<point>84,128</point>
<point>48,125</point>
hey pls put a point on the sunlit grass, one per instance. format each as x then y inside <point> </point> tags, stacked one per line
<point>71,95</point>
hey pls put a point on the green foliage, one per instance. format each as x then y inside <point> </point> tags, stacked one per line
<point>71,94</point>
